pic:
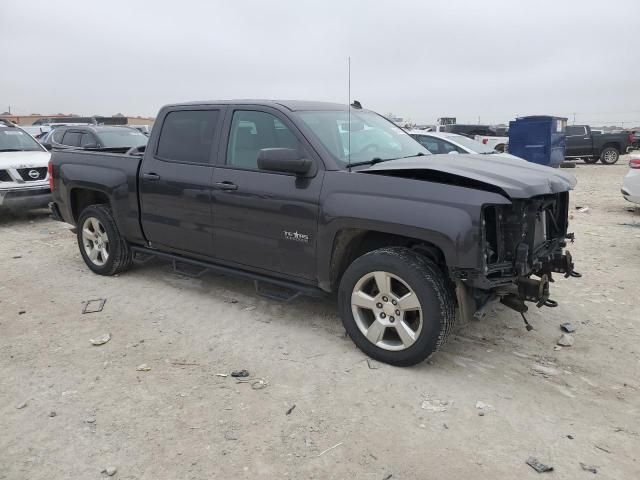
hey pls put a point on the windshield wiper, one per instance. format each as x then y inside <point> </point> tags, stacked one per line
<point>375,160</point>
<point>419,154</point>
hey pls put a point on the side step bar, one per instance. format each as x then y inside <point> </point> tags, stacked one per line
<point>292,289</point>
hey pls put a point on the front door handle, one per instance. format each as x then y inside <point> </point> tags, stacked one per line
<point>151,176</point>
<point>225,186</point>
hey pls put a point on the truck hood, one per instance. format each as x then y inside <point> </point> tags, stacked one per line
<point>513,177</point>
<point>24,159</point>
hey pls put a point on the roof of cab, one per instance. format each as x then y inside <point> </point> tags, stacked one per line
<point>291,105</point>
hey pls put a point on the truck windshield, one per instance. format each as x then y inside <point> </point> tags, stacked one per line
<point>126,137</point>
<point>372,136</point>
<point>14,140</point>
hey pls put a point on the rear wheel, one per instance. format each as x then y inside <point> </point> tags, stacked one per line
<point>609,155</point>
<point>102,247</point>
<point>396,306</point>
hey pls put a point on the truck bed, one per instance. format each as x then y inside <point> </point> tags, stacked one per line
<point>115,174</point>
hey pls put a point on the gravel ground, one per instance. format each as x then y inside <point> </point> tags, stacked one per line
<point>181,420</point>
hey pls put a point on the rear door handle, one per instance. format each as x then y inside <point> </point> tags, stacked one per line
<point>225,186</point>
<point>151,176</point>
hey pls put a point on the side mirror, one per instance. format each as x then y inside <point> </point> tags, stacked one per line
<point>285,160</point>
<point>48,146</point>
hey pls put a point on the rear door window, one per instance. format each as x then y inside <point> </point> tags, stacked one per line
<point>88,140</point>
<point>187,136</point>
<point>71,138</point>
<point>573,131</point>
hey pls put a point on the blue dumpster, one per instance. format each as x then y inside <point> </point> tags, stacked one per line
<point>538,139</point>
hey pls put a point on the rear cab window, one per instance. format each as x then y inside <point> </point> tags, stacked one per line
<point>188,136</point>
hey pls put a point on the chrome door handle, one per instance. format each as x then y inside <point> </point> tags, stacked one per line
<point>151,176</point>
<point>225,186</point>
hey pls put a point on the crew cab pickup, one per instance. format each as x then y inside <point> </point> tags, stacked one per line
<point>591,147</point>
<point>316,198</point>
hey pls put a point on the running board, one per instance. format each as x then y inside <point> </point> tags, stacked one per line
<point>288,290</point>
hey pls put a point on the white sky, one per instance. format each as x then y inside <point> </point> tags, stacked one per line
<point>421,60</point>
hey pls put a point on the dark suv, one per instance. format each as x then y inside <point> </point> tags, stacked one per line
<point>95,137</point>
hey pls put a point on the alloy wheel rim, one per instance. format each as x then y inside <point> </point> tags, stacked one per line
<point>610,156</point>
<point>95,241</point>
<point>387,311</point>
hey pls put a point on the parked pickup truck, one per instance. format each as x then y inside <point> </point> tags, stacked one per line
<point>311,197</point>
<point>591,147</point>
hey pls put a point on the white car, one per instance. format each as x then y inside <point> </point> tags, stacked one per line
<point>497,143</point>
<point>441,142</point>
<point>24,180</point>
<point>631,182</point>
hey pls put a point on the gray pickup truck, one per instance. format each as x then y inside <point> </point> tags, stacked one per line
<point>314,198</point>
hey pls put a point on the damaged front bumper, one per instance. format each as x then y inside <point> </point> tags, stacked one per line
<point>523,246</point>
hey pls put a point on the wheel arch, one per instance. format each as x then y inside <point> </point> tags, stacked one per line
<point>351,243</point>
<point>81,197</point>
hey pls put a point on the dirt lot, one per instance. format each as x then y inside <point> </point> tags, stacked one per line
<point>179,420</point>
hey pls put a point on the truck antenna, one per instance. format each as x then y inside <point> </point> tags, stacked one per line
<point>349,110</point>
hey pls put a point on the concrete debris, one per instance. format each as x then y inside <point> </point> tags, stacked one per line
<point>604,449</point>
<point>259,384</point>
<point>111,471</point>
<point>22,405</point>
<point>52,413</point>
<point>565,340</point>
<point>229,435</point>
<point>538,466</point>
<point>240,373</point>
<point>91,420</point>
<point>567,327</point>
<point>435,405</point>
<point>589,468</point>
<point>222,374</point>
<point>143,368</point>
<point>291,409</point>
<point>484,408</point>
<point>100,340</point>
<point>545,371</point>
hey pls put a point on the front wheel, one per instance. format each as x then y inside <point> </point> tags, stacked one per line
<point>396,305</point>
<point>102,247</point>
<point>609,155</point>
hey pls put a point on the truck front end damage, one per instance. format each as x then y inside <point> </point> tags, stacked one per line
<point>523,245</point>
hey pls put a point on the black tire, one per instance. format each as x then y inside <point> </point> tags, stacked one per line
<point>434,293</point>
<point>120,257</point>
<point>590,160</point>
<point>609,155</point>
